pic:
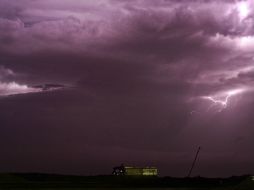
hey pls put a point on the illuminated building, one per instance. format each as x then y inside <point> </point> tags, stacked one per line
<point>135,171</point>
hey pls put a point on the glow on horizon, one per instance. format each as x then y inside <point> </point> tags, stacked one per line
<point>14,88</point>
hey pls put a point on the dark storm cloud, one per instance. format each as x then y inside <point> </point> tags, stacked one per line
<point>167,36</point>
<point>137,70</point>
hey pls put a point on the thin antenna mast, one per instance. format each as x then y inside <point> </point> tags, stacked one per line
<point>194,162</point>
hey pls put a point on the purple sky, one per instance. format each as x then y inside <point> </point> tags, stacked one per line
<point>145,83</point>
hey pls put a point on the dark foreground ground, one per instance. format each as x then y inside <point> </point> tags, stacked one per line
<point>62,182</point>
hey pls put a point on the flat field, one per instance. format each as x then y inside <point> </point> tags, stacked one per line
<point>64,182</point>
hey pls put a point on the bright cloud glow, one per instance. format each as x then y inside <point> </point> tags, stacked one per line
<point>246,42</point>
<point>243,43</point>
<point>243,9</point>
<point>13,88</point>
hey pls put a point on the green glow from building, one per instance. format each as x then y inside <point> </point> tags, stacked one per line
<point>147,171</point>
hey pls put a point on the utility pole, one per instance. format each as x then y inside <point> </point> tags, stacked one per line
<point>194,162</point>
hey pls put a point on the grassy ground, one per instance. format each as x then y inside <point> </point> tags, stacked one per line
<point>61,182</point>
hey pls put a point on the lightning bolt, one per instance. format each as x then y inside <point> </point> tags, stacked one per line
<point>223,100</point>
